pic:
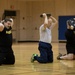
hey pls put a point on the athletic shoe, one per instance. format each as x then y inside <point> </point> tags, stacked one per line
<point>58,57</point>
<point>32,58</point>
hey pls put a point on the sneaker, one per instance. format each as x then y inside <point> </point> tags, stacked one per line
<point>58,57</point>
<point>32,58</point>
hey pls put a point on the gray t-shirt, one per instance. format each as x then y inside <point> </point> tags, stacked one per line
<point>45,35</point>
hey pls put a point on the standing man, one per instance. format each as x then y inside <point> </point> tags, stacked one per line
<point>6,52</point>
<point>45,47</point>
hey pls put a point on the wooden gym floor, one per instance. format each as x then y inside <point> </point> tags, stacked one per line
<point>23,66</point>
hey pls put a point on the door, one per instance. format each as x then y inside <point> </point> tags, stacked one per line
<point>63,26</point>
<point>12,14</point>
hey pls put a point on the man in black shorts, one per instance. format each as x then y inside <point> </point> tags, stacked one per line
<point>6,52</point>
<point>70,44</point>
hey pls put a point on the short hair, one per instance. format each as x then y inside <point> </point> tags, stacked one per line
<point>7,19</point>
<point>71,22</point>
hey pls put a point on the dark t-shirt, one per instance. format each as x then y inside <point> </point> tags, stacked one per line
<point>70,36</point>
<point>6,37</point>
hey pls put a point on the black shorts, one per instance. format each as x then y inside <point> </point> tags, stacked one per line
<point>6,55</point>
<point>70,48</point>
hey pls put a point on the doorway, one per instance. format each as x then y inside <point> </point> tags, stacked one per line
<point>14,15</point>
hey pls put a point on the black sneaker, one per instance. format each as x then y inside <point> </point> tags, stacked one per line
<point>32,58</point>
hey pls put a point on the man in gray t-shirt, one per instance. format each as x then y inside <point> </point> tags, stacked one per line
<point>45,47</point>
